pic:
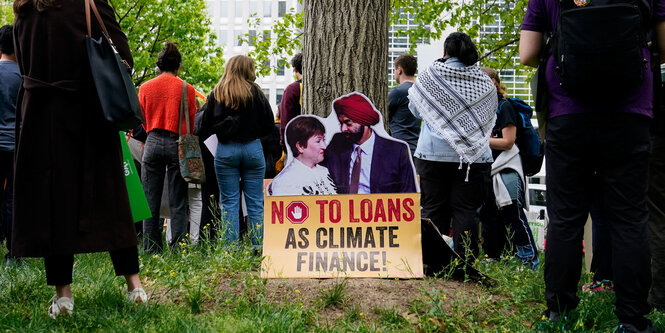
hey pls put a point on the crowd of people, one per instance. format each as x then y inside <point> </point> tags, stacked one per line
<point>456,133</point>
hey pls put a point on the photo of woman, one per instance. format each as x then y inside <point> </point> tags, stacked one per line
<point>305,136</point>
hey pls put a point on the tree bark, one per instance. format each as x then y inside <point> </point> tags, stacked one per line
<point>345,49</point>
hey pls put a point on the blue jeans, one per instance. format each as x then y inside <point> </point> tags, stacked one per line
<point>527,252</point>
<point>160,159</point>
<point>235,161</point>
<point>496,220</point>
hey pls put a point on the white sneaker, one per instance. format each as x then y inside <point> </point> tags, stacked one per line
<point>137,296</point>
<point>61,305</point>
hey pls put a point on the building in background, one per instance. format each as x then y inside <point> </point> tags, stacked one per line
<point>230,23</point>
<point>517,83</point>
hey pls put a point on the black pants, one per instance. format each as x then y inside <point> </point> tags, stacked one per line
<point>160,159</point>
<point>446,196</point>
<point>614,147</point>
<point>6,197</point>
<point>59,268</point>
<point>656,201</point>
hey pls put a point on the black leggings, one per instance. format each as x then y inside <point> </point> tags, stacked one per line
<point>59,268</point>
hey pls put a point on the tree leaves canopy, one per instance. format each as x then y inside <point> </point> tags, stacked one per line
<point>150,23</point>
<point>430,19</point>
<point>6,12</point>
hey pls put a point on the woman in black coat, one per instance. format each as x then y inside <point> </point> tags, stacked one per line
<point>70,193</point>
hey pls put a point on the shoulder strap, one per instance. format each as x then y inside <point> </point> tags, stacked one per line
<point>498,108</point>
<point>184,110</point>
<point>91,4</point>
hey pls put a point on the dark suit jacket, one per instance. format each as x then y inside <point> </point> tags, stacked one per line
<point>392,171</point>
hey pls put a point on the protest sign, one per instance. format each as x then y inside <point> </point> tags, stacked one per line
<point>371,235</point>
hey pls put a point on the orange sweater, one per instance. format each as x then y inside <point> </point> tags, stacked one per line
<point>160,101</point>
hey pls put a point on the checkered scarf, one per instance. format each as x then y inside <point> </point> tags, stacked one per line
<point>459,104</point>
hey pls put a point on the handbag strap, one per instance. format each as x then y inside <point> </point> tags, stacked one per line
<point>184,110</point>
<point>88,5</point>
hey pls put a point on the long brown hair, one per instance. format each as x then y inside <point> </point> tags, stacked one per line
<point>234,89</point>
<point>40,5</point>
<point>500,88</point>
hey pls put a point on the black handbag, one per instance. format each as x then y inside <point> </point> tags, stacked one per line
<point>110,73</point>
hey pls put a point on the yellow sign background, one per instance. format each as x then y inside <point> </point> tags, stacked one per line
<point>370,235</point>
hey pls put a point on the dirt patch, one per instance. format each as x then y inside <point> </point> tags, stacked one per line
<point>370,297</point>
<point>367,298</point>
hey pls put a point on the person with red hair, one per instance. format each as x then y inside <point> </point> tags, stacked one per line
<point>360,161</point>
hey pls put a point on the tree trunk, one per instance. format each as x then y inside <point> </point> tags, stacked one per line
<point>345,49</point>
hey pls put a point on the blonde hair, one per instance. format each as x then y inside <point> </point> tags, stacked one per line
<point>500,88</point>
<point>234,89</point>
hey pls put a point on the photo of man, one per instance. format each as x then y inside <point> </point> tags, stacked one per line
<point>359,160</point>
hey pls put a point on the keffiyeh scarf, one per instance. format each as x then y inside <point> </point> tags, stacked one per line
<point>459,104</point>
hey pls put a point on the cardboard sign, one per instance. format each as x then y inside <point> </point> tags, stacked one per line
<point>371,235</point>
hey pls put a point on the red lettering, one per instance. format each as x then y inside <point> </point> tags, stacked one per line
<point>409,215</point>
<point>393,210</point>
<point>278,212</point>
<point>366,210</point>
<point>379,212</point>
<point>322,206</point>
<point>335,211</point>
<point>352,218</point>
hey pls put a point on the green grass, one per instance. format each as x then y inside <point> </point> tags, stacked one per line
<point>211,288</point>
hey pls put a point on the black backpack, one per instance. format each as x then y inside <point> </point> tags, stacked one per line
<point>598,44</point>
<point>527,140</point>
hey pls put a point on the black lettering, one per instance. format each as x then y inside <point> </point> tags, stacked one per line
<point>321,242</point>
<point>361,267</point>
<point>373,260</point>
<point>304,243</point>
<point>381,230</point>
<point>331,234</point>
<point>290,239</point>
<point>385,262</point>
<point>341,238</point>
<point>349,261</point>
<point>334,263</point>
<point>354,240</point>
<point>369,239</point>
<point>300,260</point>
<point>392,236</point>
<point>321,261</point>
<point>311,261</point>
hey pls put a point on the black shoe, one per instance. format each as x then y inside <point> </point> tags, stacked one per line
<point>630,328</point>
<point>552,318</point>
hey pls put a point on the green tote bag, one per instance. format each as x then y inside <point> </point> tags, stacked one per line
<point>137,200</point>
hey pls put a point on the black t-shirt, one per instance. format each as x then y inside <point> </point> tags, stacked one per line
<point>504,117</point>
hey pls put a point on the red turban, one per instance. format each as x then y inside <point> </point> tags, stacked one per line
<point>358,108</point>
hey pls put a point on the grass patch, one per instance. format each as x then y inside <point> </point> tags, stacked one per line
<point>336,295</point>
<point>213,287</point>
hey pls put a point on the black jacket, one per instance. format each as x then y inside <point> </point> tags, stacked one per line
<point>241,125</point>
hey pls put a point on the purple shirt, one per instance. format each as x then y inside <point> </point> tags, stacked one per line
<point>541,16</point>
